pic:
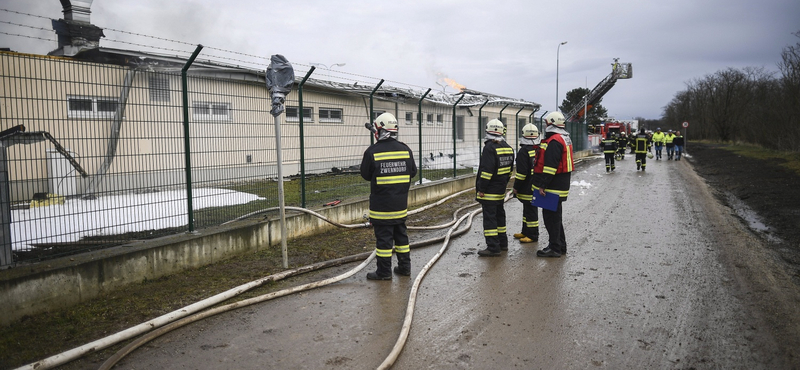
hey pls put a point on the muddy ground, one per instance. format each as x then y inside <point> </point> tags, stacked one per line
<point>765,187</point>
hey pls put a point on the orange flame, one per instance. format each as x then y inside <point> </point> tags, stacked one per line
<point>454,84</point>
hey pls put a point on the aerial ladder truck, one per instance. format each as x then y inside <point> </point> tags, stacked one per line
<point>619,71</point>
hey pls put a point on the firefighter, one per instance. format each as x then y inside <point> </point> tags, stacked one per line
<point>526,158</point>
<point>622,144</point>
<point>658,140</point>
<point>668,141</point>
<point>609,146</point>
<point>552,174</point>
<point>642,144</point>
<point>494,172</point>
<point>389,167</point>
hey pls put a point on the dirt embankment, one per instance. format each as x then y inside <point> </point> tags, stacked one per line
<point>768,191</point>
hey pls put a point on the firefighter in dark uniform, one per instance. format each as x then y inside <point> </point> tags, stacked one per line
<point>609,147</point>
<point>526,157</point>
<point>622,144</point>
<point>552,174</point>
<point>642,145</point>
<point>389,167</point>
<point>494,172</point>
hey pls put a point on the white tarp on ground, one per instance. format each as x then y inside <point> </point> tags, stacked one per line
<point>115,214</point>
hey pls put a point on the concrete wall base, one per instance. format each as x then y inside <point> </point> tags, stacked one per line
<point>64,282</point>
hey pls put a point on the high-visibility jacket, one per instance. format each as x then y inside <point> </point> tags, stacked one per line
<point>668,139</point>
<point>553,169</point>
<point>526,158</point>
<point>389,167</point>
<point>658,138</point>
<point>494,171</point>
<point>642,143</point>
<point>622,142</point>
<point>609,146</point>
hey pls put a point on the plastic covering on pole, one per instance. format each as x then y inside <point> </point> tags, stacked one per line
<point>280,78</point>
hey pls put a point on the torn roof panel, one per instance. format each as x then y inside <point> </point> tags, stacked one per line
<point>173,63</point>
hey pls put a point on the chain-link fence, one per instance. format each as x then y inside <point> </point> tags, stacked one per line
<point>96,153</point>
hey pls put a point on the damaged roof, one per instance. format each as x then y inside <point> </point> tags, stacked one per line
<point>207,68</point>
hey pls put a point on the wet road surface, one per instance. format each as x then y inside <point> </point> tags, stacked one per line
<point>649,282</point>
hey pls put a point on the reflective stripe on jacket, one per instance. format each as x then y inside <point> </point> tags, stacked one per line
<point>659,138</point>
<point>494,171</point>
<point>609,146</point>
<point>389,166</point>
<point>526,158</point>
<point>554,165</point>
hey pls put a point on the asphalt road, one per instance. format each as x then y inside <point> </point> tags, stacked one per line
<point>653,279</point>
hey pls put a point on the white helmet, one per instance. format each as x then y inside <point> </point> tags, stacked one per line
<point>555,118</point>
<point>387,122</point>
<point>495,127</point>
<point>530,131</point>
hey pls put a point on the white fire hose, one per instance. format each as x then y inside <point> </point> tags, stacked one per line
<point>182,313</point>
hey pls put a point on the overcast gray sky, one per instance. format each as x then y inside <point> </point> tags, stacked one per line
<point>504,47</point>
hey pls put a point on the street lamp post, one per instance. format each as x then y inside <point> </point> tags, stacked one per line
<point>557,55</point>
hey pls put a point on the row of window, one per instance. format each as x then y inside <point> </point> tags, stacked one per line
<point>326,115</point>
<point>99,107</point>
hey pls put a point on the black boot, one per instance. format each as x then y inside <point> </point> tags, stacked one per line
<point>503,241</point>
<point>384,271</point>
<point>489,253</point>
<point>403,264</point>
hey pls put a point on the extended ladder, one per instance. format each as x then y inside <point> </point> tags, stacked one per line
<point>619,71</point>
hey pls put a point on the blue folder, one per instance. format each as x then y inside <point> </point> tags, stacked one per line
<point>548,201</point>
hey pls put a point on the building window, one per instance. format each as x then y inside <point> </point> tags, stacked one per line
<point>409,118</point>
<point>292,116</point>
<point>211,111</point>
<point>91,107</point>
<point>159,88</point>
<point>331,115</point>
<point>460,128</point>
<point>439,119</point>
<point>429,118</point>
<point>377,113</point>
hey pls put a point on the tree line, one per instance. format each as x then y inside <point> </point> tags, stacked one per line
<point>747,105</point>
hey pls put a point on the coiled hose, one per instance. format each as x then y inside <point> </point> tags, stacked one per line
<point>181,313</point>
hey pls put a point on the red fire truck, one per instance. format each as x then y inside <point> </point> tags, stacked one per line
<point>615,127</point>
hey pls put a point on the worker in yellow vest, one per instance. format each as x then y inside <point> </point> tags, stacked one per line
<point>658,142</point>
<point>670,145</point>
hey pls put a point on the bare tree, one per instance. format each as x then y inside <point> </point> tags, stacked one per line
<point>789,92</point>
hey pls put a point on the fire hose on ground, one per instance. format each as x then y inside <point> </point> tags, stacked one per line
<point>192,313</point>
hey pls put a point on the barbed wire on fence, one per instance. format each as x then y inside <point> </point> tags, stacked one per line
<point>350,77</point>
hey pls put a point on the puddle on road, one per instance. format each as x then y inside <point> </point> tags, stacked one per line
<point>751,217</point>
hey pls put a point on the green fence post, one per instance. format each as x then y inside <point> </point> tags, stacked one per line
<point>480,128</point>
<point>302,139</point>
<point>501,113</point>
<point>519,129</point>
<point>455,170</point>
<point>186,146</point>
<point>541,123</point>
<point>419,120</point>
<point>372,137</point>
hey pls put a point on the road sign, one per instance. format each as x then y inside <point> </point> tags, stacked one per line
<point>685,124</point>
